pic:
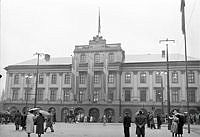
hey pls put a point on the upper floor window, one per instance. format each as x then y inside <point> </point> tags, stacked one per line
<point>27,94</point>
<point>16,79</point>
<point>158,93</point>
<point>174,77</point>
<point>192,95</point>
<point>97,58</point>
<point>80,96</point>
<point>40,94</point>
<point>175,95</point>
<point>82,78</point>
<point>95,96</point>
<point>110,95</point>
<point>41,79</point>
<point>66,94</point>
<point>53,79</point>
<point>111,57</point>
<point>83,58</point>
<point>15,94</point>
<point>53,93</point>
<point>127,95</point>
<point>143,77</point>
<point>67,78</point>
<point>96,78</point>
<point>111,78</point>
<point>158,78</point>
<point>191,77</point>
<point>127,77</point>
<point>143,95</point>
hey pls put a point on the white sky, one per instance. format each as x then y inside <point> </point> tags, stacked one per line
<point>56,26</point>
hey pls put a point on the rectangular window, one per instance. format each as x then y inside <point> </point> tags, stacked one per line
<point>95,96</point>
<point>41,79</point>
<point>111,78</point>
<point>191,77</point>
<point>111,57</point>
<point>67,79</point>
<point>15,94</point>
<point>174,77</point>
<point>27,94</point>
<point>53,79</point>
<point>96,78</point>
<point>66,94</point>
<point>192,95</point>
<point>143,77</point>
<point>97,58</point>
<point>158,78</point>
<point>143,95</point>
<point>53,93</point>
<point>110,95</point>
<point>127,95</point>
<point>81,93</point>
<point>82,78</point>
<point>128,78</point>
<point>158,93</point>
<point>16,79</point>
<point>40,94</point>
<point>175,95</point>
<point>83,58</point>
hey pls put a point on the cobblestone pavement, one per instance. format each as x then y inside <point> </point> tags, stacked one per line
<point>94,130</point>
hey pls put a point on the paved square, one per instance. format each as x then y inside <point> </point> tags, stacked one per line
<point>92,130</point>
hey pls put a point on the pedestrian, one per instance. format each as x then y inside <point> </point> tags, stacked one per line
<point>180,124</point>
<point>159,122</point>
<point>127,124</point>
<point>151,120</point>
<point>40,124</point>
<point>49,122</point>
<point>30,123</point>
<point>17,120</point>
<point>140,121</point>
<point>23,121</point>
<point>174,125</point>
<point>104,120</point>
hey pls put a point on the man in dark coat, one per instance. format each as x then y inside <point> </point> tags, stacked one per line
<point>159,121</point>
<point>17,119</point>
<point>23,121</point>
<point>180,123</point>
<point>49,122</point>
<point>140,121</point>
<point>40,125</point>
<point>127,124</point>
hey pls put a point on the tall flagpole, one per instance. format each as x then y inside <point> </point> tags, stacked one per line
<point>99,24</point>
<point>186,70</point>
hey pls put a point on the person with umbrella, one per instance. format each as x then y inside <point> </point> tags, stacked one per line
<point>49,122</point>
<point>40,124</point>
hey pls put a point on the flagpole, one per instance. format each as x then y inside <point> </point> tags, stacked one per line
<point>186,68</point>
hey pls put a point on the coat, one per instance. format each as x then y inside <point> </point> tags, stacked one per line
<point>30,123</point>
<point>49,121</point>
<point>140,121</point>
<point>17,118</point>
<point>40,124</point>
<point>127,121</point>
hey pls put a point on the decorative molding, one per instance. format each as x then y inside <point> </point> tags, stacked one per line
<point>10,74</point>
<point>22,74</point>
<point>150,72</point>
<point>135,72</point>
<point>47,73</point>
<point>182,71</point>
<point>60,73</point>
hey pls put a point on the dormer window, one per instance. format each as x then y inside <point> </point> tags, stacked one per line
<point>82,58</point>
<point>111,57</point>
<point>97,58</point>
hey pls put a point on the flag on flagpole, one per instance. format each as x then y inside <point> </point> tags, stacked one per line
<point>183,15</point>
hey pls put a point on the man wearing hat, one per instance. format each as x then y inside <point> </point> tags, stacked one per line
<point>127,124</point>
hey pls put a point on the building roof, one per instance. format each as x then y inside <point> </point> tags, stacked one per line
<point>128,59</point>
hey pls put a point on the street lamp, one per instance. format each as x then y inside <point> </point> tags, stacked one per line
<point>168,90</point>
<point>28,78</point>
<point>47,58</point>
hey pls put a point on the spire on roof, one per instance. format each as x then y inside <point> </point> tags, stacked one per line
<point>99,24</point>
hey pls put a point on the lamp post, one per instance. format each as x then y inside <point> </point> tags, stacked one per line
<point>47,58</point>
<point>168,90</point>
<point>28,78</point>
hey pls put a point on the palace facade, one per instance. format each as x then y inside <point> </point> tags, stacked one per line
<point>100,79</point>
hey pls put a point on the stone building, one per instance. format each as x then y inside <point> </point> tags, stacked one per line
<point>100,79</point>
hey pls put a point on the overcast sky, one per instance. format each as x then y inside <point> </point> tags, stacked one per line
<point>56,26</point>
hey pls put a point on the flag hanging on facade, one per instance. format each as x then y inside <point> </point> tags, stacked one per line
<point>183,15</point>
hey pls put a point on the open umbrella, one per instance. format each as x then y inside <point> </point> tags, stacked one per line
<point>44,113</point>
<point>34,109</point>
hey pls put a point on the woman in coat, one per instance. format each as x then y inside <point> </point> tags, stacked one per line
<point>30,123</point>
<point>40,124</point>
